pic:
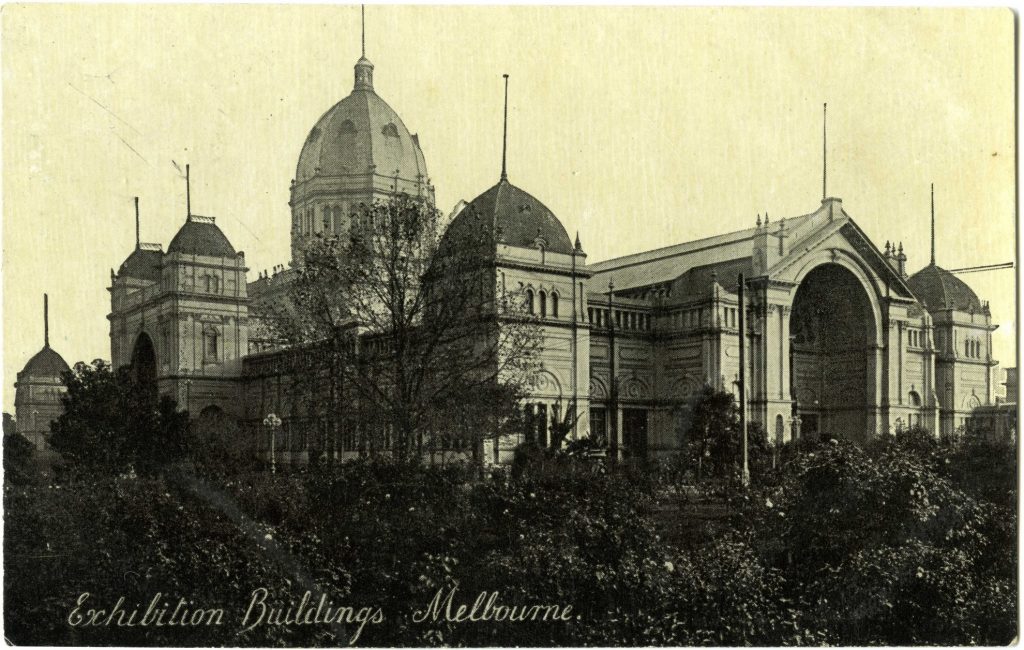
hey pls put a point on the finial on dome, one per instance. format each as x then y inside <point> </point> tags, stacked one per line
<point>759,220</point>
<point>46,320</point>
<point>504,136</point>
<point>579,246</point>
<point>364,69</point>
<point>933,224</point>
<point>188,195</point>
<point>138,241</point>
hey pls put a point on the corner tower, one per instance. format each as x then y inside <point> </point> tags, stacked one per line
<point>358,151</point>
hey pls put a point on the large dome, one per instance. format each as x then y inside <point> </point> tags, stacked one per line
<point>939,289</point>
<point>360,133</point>
<point>511,216</point>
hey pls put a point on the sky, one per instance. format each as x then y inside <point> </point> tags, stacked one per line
<point>638,127</point>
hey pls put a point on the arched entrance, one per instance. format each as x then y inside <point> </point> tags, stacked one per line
<point>144,361</point>
<point>832,328</point>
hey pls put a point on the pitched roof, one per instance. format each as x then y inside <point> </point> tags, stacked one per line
<point>668,263</point>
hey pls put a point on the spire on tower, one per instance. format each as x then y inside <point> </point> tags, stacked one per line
<point>824,151</point>
<point>188,195</point>
<point>933,224</point>
<point>137,238</point>
<point>364,69</point>
<point>504,137</point>
<point>46,320</point>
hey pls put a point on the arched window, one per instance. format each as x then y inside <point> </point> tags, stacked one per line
<point>554,305</point>
<point>390,130</point>
<point>529,301</point>
<point>327,219</point>
<point>543,304</point>
<point>348,126</point>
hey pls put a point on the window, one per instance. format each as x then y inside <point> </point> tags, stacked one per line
<point>210,346</point>
<point>598,425</point>
<point>554,305</point>
<point>348,126</point>
<point>543,304</point>
<point>327,219</point>
<point>390,130</point>
<point>529,301</point>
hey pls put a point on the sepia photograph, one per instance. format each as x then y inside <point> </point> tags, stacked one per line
<point>509,326</point>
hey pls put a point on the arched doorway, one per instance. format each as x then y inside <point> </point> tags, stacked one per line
<point>144,361</point>
<point>832,328</point>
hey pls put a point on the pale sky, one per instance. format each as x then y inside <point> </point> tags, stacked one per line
<point>639,127</point>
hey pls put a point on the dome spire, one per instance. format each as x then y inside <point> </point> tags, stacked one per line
<point>46,320</point>
<point>138,240</point>
<point>364,69</point>
<point>504,137</point>
<point>933,224</point>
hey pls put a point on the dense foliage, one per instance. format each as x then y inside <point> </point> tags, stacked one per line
<point>113,423</point>
<point>908,541</point>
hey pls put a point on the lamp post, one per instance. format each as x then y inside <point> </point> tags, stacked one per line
<point>745,475</point>
<point>273,422</point>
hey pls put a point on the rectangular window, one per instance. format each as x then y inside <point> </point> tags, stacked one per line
<point>210,349</point>
<point>598,424</point>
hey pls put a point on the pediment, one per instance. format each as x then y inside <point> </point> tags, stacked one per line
<point>840,236</point>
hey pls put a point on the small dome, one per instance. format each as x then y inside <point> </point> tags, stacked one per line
<point>142,264</point>
<point>939,289</point>
<point>45,363</point>
<point>360,133</point>
<point>199,236</point>
<point>513,217</point>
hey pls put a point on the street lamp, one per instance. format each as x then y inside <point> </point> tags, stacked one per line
<point>273,422</point>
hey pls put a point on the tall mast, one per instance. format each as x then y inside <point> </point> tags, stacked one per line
<point>824,151</point>
<point>933,224</point>
<point>504,136</point>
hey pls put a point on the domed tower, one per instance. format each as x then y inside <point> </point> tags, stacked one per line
<point>962,339</point>
<point>534,261</point>
<point>358,151</point>
<point>180,319</point>
<point>38,390</point>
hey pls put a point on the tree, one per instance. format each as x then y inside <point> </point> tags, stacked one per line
<point>111,422</point>
<point>19,465</point>
<point>404,335</point>
<point>714,441</point>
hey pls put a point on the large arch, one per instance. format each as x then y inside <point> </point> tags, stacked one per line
<point>143,364</point>
<point>833,342</point>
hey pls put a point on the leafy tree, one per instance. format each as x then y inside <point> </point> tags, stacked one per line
<point>111,422</point>
<point>715,440</point>
<point>410,328</point>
